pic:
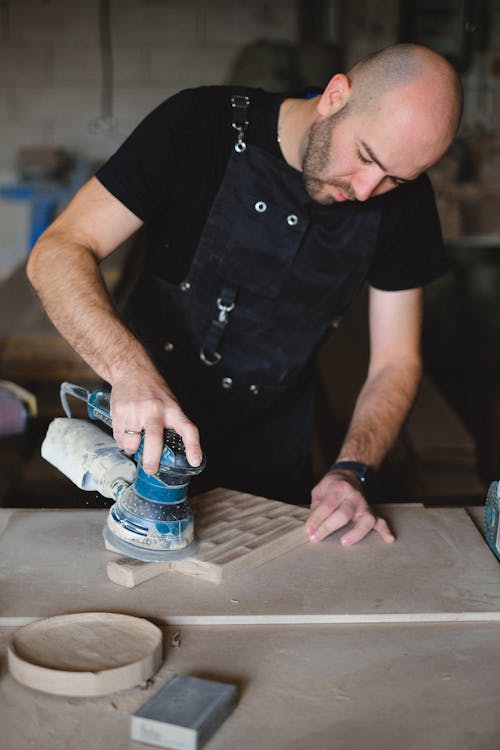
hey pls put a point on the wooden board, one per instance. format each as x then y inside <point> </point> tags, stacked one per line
<point>236,532</point>
<point>53,562</point>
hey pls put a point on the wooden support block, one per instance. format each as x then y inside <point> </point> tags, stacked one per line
<point>129,573</point>
<point>236,532</point>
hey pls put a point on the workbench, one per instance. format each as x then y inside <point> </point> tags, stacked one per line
<point>374,646</point>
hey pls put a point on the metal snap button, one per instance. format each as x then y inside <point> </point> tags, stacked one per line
<point>168,346</point>
<point>254,390</point>
<point>292,220</point>
<point>185,286</point>
<point>260,207</point>
<point>227,383</point>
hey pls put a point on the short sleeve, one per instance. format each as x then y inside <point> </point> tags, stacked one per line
<point>140,173</point>
<point>410,250</point>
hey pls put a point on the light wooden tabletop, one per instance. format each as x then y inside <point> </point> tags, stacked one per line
<point>384,686</point>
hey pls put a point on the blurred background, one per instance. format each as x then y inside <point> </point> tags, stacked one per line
<point>76,76</point>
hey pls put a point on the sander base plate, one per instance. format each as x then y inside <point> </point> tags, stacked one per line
<point>148,555</point>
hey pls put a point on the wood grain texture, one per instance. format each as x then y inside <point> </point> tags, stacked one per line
<point>236,532</point>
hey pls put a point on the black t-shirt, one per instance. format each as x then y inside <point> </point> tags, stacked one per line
<point>169,169</point>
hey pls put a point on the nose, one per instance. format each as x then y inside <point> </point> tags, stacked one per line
<point>366,181</point>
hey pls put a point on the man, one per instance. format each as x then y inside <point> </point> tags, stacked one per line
<point>263,215</point>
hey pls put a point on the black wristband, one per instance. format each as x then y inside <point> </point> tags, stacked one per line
<point>362,471</point>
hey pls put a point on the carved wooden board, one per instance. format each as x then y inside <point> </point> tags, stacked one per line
<point>235,532</point>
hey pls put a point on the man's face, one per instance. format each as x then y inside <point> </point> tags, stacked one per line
<point>352,156</point>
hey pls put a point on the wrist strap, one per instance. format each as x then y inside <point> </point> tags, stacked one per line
<point>362,471</point>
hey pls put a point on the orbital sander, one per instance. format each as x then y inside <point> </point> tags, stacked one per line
<point>151,518</point>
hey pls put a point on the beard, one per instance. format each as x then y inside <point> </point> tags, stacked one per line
<point>316,153</point>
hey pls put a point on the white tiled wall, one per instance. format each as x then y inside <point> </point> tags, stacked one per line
<point>50,64</point>
<point>50,74</point>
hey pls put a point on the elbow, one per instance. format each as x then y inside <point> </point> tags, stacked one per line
<point>43,259</point>
<point>415,367</point>
<point>410,369</point>
<point>403,374</point>
<point>33,263</point>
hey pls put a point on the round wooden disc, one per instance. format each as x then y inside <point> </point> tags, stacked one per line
<point>85,654</point>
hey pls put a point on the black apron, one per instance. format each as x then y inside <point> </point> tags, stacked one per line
<point>236,339</point>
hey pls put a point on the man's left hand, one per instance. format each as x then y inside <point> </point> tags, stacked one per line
<point>336,502</point>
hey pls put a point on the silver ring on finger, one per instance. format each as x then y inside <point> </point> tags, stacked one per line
<point>133,432</point>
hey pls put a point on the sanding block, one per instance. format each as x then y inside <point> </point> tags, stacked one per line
<point>184,713</point>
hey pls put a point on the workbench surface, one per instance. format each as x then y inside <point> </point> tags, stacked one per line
<point>406,685</point>
<point>355,687</point>
<point>54,562</point>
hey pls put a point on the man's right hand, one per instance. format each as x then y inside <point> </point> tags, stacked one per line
<point>64,270</point>
<point>146,405</point>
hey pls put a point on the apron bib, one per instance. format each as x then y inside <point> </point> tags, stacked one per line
<point>236,339</point>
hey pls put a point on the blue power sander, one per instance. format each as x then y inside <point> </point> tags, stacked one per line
<point>151,519</point>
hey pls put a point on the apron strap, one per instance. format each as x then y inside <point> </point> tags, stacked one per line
<point>240,122</point>
<point>225,305</point>
<point>227,300</point>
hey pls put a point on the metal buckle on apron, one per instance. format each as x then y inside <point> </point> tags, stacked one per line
<point>240,104</point>
<point>225,305</point>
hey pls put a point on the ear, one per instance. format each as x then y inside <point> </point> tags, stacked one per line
<point>335,96</point>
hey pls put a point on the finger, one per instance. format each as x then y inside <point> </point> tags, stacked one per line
<point>383,529</point>
<point>191,439</point>
<point>315,500</point>
<point>332,522</point>
<point>362,526</point>
<point>125,420</point>
<point>316,518</point>
<point>153,446</point>
<point>131,440</point>
<point>127,441</point>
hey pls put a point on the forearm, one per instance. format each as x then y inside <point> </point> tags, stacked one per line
<point>64,270</point>
<point>68,281</point>
<point>67,278</point>
<point>381,407</point>
<point>380,411</point>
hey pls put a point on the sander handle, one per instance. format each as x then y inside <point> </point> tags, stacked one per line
<point>173,457</point>
<point>97,402</point>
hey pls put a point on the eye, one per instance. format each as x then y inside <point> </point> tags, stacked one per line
<point>363,158</point>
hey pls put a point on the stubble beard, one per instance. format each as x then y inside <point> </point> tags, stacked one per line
<point>317,152</point>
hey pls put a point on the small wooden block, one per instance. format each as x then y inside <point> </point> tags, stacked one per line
<point>235,531</point>
<point>129,573</point>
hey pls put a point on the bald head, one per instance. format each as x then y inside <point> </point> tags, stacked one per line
<point>429,80</point>
<point>391,117</point>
